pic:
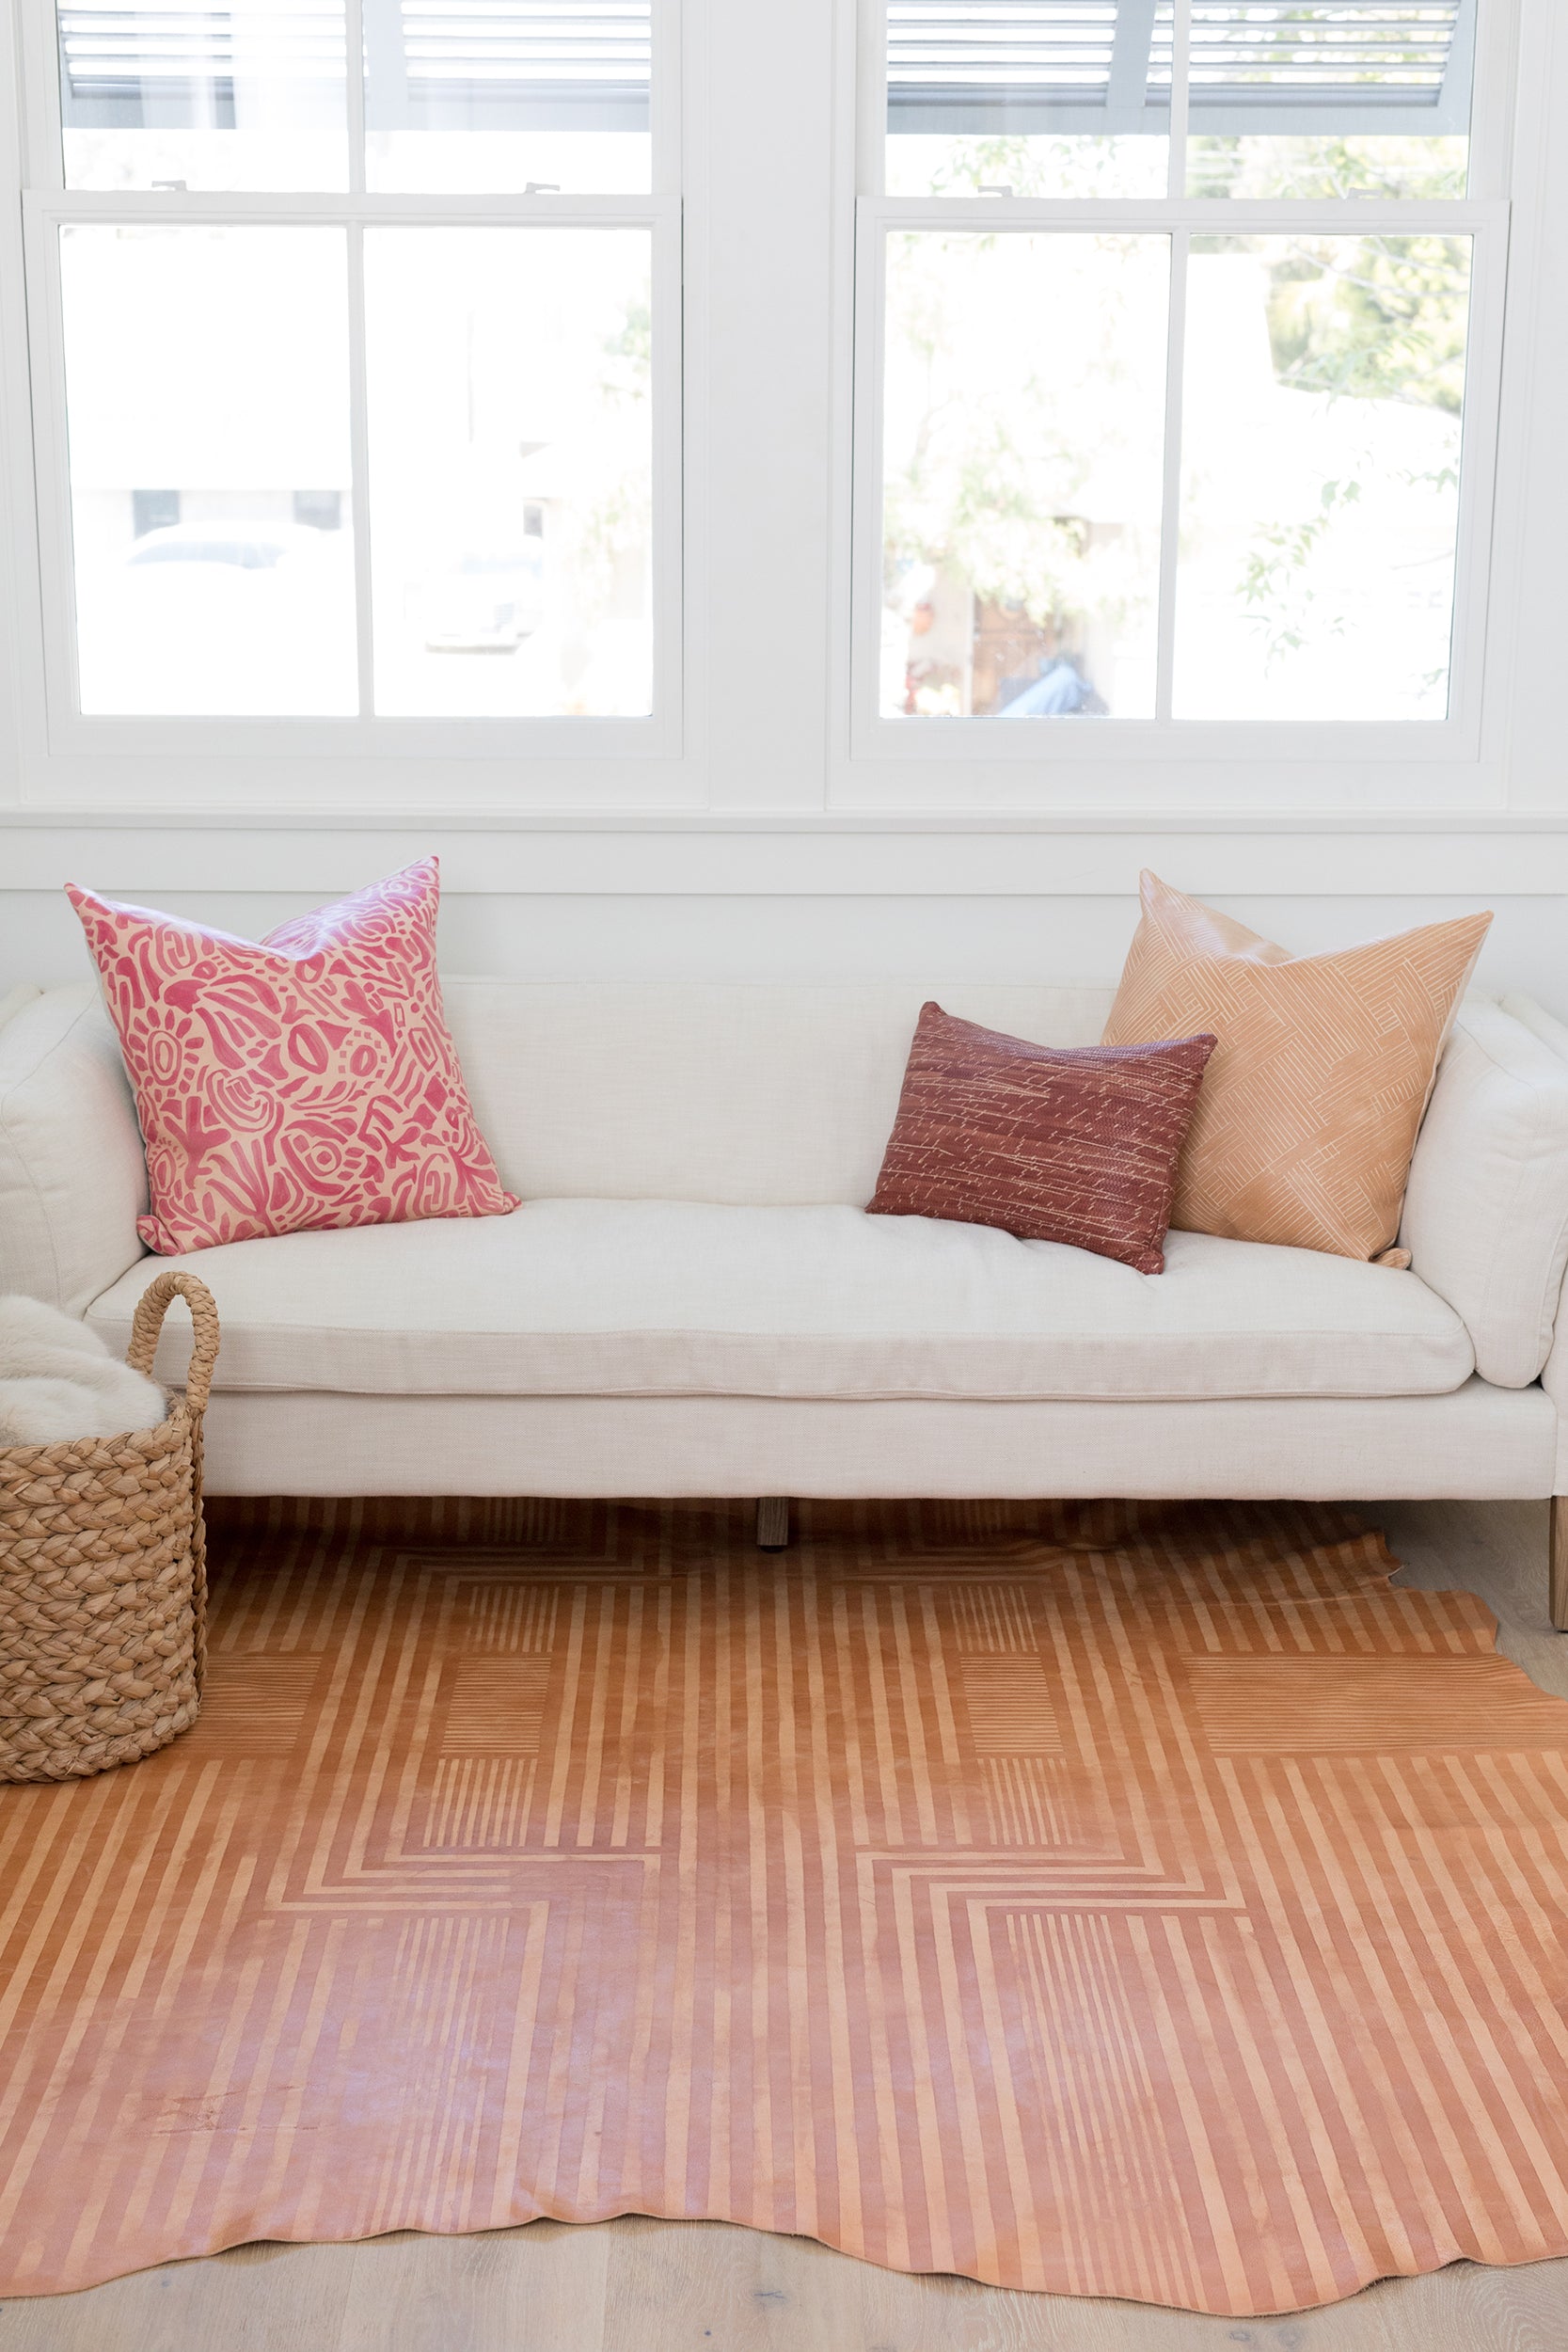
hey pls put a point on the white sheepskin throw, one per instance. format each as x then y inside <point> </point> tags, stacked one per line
<point>58,1380</point>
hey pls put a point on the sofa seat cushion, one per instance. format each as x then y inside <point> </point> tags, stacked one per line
<point>678,1298</point>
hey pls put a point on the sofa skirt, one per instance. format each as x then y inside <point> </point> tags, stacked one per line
<point>1478,1441</point>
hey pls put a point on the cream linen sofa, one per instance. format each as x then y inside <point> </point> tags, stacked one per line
<point>691,1300</point>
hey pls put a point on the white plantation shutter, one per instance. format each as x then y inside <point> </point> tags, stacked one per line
<point>577,65</point>
<point>953,65</point>
<point>178,63</point>
<point>1355,64</point>
<point>1023,64</point>
<point>1257,65</point>
<point>573,64</point>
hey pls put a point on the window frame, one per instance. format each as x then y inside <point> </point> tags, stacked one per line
<point>48,205</point>
<point>770,165</point>
<point>926,761</point>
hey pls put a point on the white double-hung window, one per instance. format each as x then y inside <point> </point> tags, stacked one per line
<point>1178,343</point>
<point>355,333</point>
<point>1131,363</point>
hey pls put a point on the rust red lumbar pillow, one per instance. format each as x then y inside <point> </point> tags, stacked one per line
<point>307,1080</point>
<point>1054,1143</point>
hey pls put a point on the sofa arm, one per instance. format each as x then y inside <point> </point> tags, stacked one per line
<point>1554,1379</point>
<point>72,1173</point>
<point>1486,1212</point>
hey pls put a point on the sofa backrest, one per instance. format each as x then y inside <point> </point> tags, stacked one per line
<point>700,1091</point>
<point>781,1095</point>
<point>72,1179</point>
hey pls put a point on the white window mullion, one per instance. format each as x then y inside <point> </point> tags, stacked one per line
<point>51,461</point>
<point>871,239</point>
<point>667,224</point>
<point>359,433</point>
<point>1474,553</point>
<point>37,51</point>
<point>1181,75</point>
<point>354,36</point>
<point>1176,345</point>
<point>1219,215</point>
<point>870,177</point>
<point>1494,97</point>
<point>666,109</point>
<point>1170,518</point>
<point>359,459</point>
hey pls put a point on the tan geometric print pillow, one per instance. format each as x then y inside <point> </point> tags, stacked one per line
<point>1314,1094</point>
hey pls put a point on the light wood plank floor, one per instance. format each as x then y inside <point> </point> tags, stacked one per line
<point>650,2286</point>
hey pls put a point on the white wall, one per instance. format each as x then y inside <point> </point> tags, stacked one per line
<point>927,938</point>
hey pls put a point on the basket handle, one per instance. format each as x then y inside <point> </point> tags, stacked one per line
<point>150,1311</point>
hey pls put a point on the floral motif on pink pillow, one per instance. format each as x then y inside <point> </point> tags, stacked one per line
<point>310,1080</point>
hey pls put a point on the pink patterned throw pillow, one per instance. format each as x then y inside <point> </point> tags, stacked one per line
<point>304,1082</point>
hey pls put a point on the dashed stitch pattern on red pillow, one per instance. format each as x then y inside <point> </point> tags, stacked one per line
<point>309,1080</point>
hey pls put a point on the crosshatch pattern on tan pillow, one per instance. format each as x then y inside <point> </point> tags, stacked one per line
<point>1074,1144</point>
<point>1315,1092</point>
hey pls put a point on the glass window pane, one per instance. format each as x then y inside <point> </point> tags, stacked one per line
<point>249,96</point>
<point>1045,98</point>
<point>1023,437</point>
<point>1334,98</point>
<point>1323,390</point>
<point>502,96</point>
<point>510,470</point>
<point>207,406</point>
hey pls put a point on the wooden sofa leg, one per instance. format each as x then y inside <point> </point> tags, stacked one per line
<point>773,1524</point>
<point>1559,1563</point>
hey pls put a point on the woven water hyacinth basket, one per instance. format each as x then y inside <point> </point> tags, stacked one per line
<point>103,1576</point>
